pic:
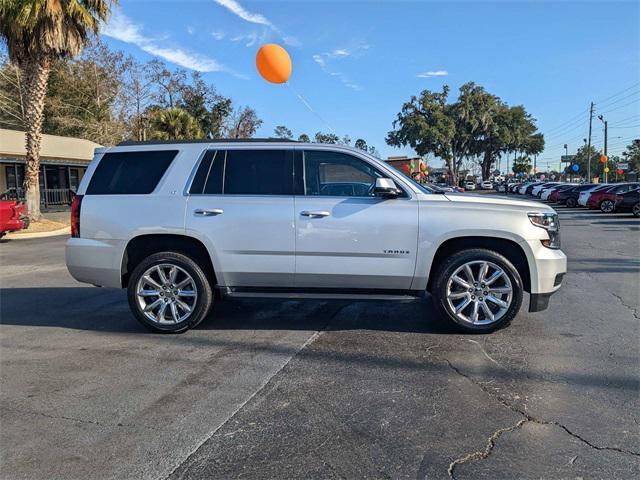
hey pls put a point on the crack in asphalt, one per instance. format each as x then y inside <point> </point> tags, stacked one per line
<point>481,455</point>
<point>491,443</point>
<point>620,299</point>
<point>72,419</point>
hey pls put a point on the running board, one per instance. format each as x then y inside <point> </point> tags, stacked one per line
<point>358,294</point>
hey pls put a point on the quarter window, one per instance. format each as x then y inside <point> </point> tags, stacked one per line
<point>337,174</point>
<point>130,173</point>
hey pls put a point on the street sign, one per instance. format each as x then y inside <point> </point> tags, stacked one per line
<point>623,166</point>
<point>567,158</point>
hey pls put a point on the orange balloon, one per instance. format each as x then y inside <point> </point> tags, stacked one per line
<point>273,63</point>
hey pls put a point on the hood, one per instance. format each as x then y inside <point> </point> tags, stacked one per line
<point>489,201</point>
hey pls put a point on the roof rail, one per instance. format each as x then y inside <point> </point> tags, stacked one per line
<point>127,143</point>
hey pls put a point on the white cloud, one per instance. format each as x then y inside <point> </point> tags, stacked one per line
<point>237,9</point>
<point>320,61</point>
<point>218,35</point>
<point>326,59</point>
<point>433,73</point>
<point>122,28</point>
<point>234,7</point>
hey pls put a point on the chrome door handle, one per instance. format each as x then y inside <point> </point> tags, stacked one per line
<point>208,212</point>
<point>306,213</point>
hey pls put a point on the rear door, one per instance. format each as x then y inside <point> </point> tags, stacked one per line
<point>345,236</point>
<point>241,200</point>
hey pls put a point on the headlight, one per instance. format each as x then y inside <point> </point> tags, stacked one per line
<point>551,223</point>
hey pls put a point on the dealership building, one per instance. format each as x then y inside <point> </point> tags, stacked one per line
<point>63,161</point>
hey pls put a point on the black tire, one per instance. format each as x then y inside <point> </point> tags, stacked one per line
<point>202,303</point>
<point>607,206</point>
<point>571,202</point>
<point>635,210</point>
<point>458,259</point>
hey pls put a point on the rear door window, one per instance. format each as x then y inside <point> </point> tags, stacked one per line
<point>258,172</point>
<point>130,173</point>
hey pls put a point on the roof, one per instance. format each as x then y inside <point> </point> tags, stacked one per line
<point>207,140</point>
<point>12,144</point>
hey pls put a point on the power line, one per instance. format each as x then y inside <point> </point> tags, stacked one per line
<point>620,92</point>
<point>620,99</point>
<point>621,106</point>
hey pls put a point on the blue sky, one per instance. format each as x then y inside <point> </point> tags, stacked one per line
<point>357,62</point>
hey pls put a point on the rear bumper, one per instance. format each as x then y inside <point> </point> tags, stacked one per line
<point>98,262</point>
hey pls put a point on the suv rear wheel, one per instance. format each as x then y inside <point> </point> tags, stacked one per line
<point>480,290</point>
<point>168,292</point>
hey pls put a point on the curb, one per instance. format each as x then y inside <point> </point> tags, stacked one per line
<point>27,236</point>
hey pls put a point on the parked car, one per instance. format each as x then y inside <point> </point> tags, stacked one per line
<point>238,218</point>
<point>605,200</point>
<point>535,191</point>
<point>555,192</point>
<point>469,186</point>
<point>501,188</point>
<point>13,216</point>
<point>584,196</point>
<point>569,197</point>
<point>629,202</point>
<point>486,185</point>
<point>548,193</point>
<point>529,188</point>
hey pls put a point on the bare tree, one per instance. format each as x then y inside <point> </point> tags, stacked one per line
<point>244,123</point>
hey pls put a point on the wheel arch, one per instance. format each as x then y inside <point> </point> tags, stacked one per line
<point>141,246</point>
<point>506,247</point>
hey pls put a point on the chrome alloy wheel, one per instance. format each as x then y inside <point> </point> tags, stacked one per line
<point>479,292</point>
<point>166,294</point>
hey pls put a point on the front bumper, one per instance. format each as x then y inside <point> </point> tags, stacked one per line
<point>547,268</point>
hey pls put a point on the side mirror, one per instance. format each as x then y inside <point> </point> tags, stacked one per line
<point>385,187</point>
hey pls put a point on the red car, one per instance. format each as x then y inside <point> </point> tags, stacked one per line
<point>13,216</point>
<point>605,200</point>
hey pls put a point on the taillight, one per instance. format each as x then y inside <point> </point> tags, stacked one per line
<point>75,216</point>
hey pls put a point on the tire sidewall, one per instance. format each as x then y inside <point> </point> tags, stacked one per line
<point>635,210</point>
<point>571,202</point>
<point>439,291</point>
<point>203,302</point>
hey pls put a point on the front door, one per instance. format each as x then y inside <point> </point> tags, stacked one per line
<point>345,236</point>
<point>242,201</point>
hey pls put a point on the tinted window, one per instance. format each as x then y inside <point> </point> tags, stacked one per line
<point>337,174</point>
<point>197,186</point>
<point>213,185</point>
<point>258,172</point>
<point>131,173</point>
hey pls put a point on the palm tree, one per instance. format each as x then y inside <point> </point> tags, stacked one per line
<point>174,124</point>
<point>36,33</point>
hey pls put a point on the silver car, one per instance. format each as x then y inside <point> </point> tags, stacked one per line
<point>181,225</point>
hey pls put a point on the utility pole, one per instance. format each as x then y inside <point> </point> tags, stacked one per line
<point>589,144</point>
<point>566,154</point>
<point>605,164</point>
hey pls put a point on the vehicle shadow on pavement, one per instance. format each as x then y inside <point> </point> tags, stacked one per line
<point>107,310</point>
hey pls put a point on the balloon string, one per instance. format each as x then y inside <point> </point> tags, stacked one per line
<point>306,104</point>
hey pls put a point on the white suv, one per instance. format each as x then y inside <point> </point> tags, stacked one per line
<point>179,224</point>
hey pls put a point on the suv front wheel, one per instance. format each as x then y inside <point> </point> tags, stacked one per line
<point>480,290</point>
<point>168,292</point>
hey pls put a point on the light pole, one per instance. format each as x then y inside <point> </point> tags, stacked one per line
<point>604,164</point>
<point>566,154</point>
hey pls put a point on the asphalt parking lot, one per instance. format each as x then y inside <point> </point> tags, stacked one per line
<point>310,389</point>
